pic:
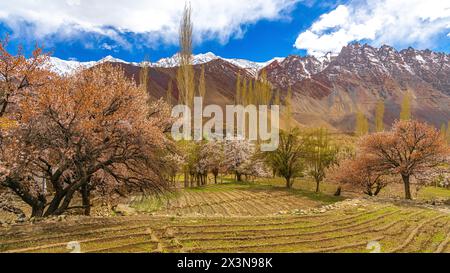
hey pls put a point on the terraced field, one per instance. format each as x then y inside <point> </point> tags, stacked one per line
<point>348,229</point>
<point>224,200</point>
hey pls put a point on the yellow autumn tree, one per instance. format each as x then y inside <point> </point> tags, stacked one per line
<point>244,92</point>
<point>276,100</point>
<point>443,131</point>
<point>202,83</point>
<point>379,116</point>
<point>362,124</point>
<point>185,73</point>
<point>250,95</point>
<point>288,107</point>
<point>448,132</point>
<point>264,89</point>
<point>405,112</point>
<point>237,98</point>
<point>144,73</point>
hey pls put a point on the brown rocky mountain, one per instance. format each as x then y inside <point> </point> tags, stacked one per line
<point>220,78</point>
<point>328,91</point>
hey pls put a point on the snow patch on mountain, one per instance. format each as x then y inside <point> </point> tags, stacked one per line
<point>111,59</point>
<point>175,60</point>
<point>252,67</point>
<point>64,67</point>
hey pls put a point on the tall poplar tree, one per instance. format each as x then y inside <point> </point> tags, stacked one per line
<point>144,74</point>
<point>202,83</point>
<point>405,112</point>
<point>379,116</point>
<point>238,96</point>
<point>244,92</point>
<point>362,125</point>
<point>448,132</point>
<point>185,74</point>
<point>288,107</point>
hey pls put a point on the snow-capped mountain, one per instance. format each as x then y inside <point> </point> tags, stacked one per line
<point>372,64</point>
<point>65,67</point>
<point>333,88</point>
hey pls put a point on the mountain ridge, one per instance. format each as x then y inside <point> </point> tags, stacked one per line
<point>62,67</point>
<point>327,91</point>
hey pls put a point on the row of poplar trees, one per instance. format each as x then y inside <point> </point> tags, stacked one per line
<point>362,123</point>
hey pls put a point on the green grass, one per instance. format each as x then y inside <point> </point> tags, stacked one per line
<point>306,187</point>
<point>270,185</point>
<point>438,237</point>
<point>155,204</point>
<point>303,184</point>
<point>430,193</point>
<point>229,185</point>
<point>152,203</point>
<point>321,197</point>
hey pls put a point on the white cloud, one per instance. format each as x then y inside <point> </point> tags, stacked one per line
<point>153,20</point>
<point>107,46</point>
<point>394,22</point>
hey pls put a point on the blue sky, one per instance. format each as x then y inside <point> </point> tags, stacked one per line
<point>257,30</point>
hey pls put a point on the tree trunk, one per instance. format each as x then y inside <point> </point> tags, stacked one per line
<point>86,199</point>
<point>37,204</point>
<point>238,177</point>
<point>288,182</point>
<point>338,191</point>
<point>215,178</point>
<point>37,210</point>
<point>377,190</point>
<point>4,104</point>
<point>64,205</point>
<point>54,204</point>
<point>407,186</point>
<point>186,180</point>
<point>317,186</point>
<point>368,191</point>
<point>69,195</point>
